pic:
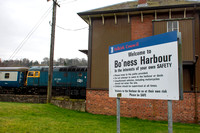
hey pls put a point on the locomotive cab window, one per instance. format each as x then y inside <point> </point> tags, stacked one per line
<point>34,74</point>
<point>37,74</point>
<point>7,75</point>
<point>30,74</point>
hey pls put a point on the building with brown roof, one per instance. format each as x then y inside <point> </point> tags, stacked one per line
<point>131,21</point>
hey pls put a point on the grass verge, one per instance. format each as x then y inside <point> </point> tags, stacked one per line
<point>47,118</point>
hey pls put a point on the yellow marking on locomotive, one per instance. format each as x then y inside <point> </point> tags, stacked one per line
<point>34,74</point>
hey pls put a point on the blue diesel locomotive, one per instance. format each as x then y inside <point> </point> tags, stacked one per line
<point>69,81</point>
<point>66,80</point>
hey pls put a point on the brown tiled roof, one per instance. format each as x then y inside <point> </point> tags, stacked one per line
<point>125,5</point>
<point>134,5</point>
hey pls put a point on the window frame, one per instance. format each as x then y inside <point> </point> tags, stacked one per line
<point>173,26</point>
<point>7,75</point>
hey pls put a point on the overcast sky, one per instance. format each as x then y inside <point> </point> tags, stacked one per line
<point>18,18</point>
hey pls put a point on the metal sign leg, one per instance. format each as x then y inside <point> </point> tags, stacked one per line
<point>170,120</point>
<point>118,114</point>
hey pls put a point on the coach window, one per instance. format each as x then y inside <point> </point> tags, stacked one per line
<point>7,75</point>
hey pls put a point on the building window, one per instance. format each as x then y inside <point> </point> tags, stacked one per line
<point>7,75</point>
<point>172,26</point>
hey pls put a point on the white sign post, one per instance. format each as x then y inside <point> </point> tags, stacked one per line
<point>146,68</point>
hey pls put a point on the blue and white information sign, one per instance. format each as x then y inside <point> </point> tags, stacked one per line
<point>146,68</point>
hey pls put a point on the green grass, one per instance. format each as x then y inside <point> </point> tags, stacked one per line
<point>47,118</point>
